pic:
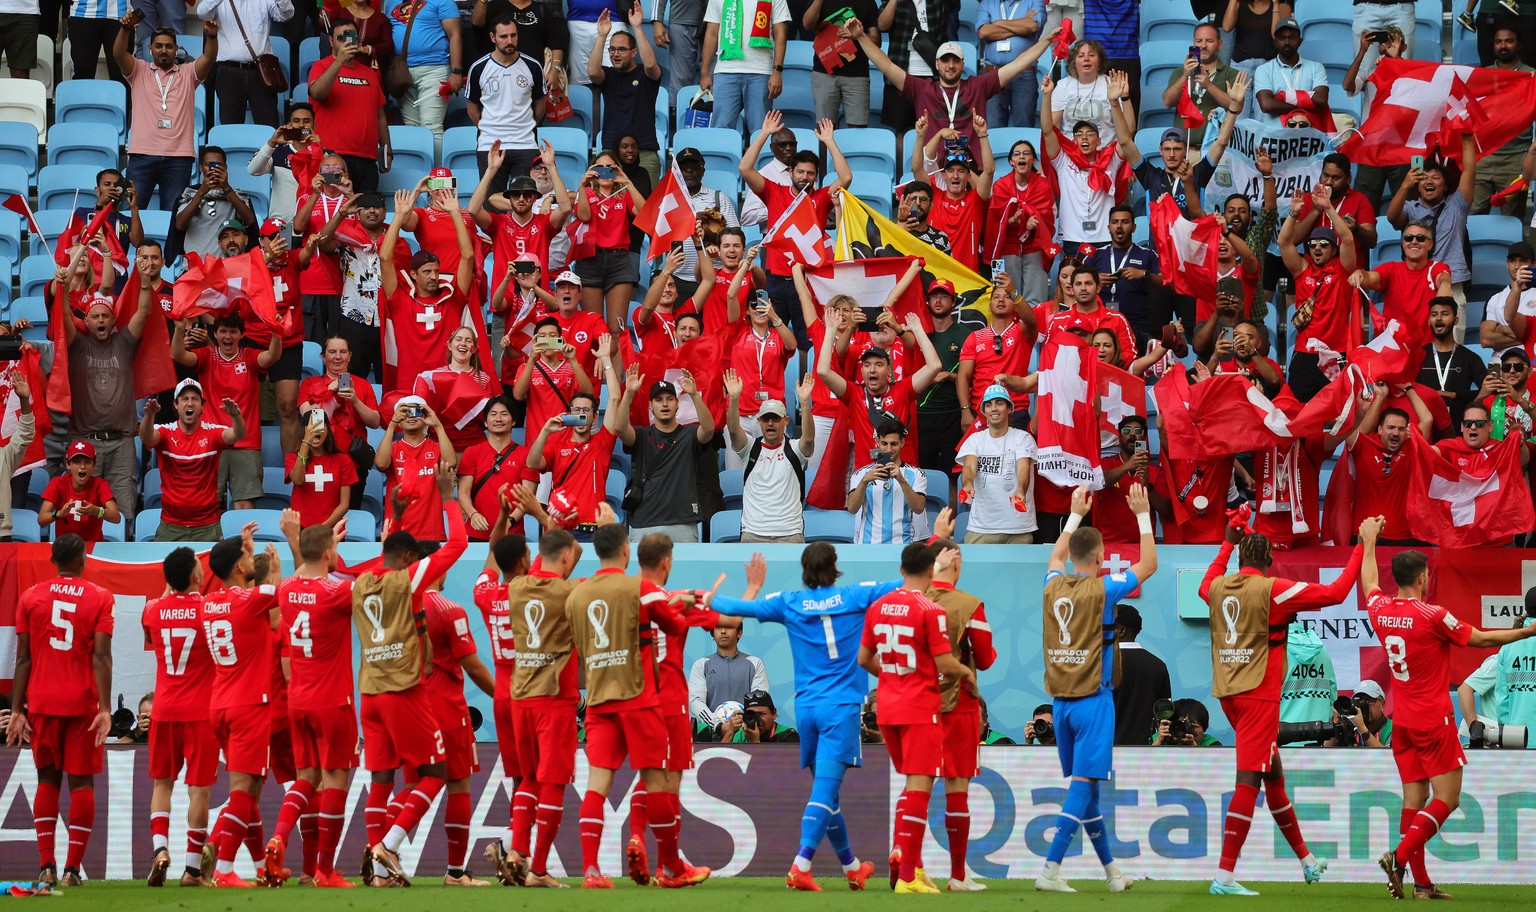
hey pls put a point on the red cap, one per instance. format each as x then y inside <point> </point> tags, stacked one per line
<point>80,448</point>
<point>942,285</point>
<point>273,226</point>
<point>440,172</point>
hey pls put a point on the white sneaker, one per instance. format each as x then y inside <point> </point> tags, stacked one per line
<point>1049,884</point>
<point>964,886</point>
<point>1119,883</point>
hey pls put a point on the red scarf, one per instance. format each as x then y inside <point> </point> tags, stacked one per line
<point>1099,180</point>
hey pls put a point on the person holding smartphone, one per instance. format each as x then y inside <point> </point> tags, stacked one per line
<point>205,207</point>
<point>296,135</point>
<point>413,499</point>
<point>349,108</point>
<point>348,402</point>
<point>606,202</point>
<point>162,133</point>
<point>551,377</point>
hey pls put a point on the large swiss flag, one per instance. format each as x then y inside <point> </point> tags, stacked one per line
<point>1421,106</point>
<point>1461,498</point>
<point>1068,451</point>
<point>800,235</point>
<point>1186,249</point>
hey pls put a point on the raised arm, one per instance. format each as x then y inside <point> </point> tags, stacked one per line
<point>1026,59</point>
<point>894,75</point>
<point>148,433</point>
<point>1082,502</point>
<point>389,278</point>
<point>755,181</point>
<point>824,131</point>
<point>824,371</point>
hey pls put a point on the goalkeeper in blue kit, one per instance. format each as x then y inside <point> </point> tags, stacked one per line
<point>824,622</point>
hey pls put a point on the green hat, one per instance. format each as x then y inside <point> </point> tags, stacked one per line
<point>235,224</point>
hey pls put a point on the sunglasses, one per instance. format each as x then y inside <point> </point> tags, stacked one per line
<point>1416,239</point>
<point>1514,367</point>
<point>1472,423</point>
<point>1134,431</point>
<point>525,194</point>
<point>1318,244</point>
<point>997,344</point>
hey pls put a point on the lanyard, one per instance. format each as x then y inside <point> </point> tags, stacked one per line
<point>951,102</point>
<point>762,345</point>
<point>328,210</point>
<point>165,87</point>
<point>1442,375</point>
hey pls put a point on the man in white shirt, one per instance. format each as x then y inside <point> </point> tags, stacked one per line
<point>1085,172</point>
<point>743,61</point>
<point>506,101</point>
<point>247,27</point>
<point>887,499</point>
<point>773,484</point>
<point>1290,82</point>
<point>1508,313</point>
<point>997,466</point>
<point>784,147</point>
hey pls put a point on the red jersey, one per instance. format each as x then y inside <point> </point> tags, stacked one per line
<point>60,618</point>
<point>1112,514</point>
<point>669,655</point>
<point>582,329</point>
<point>511,238</point>
<point>760,362</point>
<point>777,198</point>
<point>189,473</point>
<point>164,295</point>
<point>580,468</point>
<point>661,327</point>
<point>1204,309</point>
<point>317,625</point>
<point>610,219</point>
<point>1406,293</point>
<point>61,490</point>
<point>716,318</point>
<point>323,274</point>
<point>278,689</point>
<point>435,234</point>
<point>906,630</point>
<point>961,220</point>
<point>318,493</point>
<point>981,349</point>
<point>173,631</point>
<point>1201,487</point>
<point>349,116</point>
<point>1382,482</point>
<point>489,469</point>
<point>549,391</point>
<point>236,378</point>
<point>448,633</point>
<point>286,280</point>
<point>491,599</point>
<point>413,468</point>
<point>345,425</point>
<point>417,331</point>
<point>1101,318</point>
<point>823,403</point>
<point>1335,306</point>
<point>1417,638</point>
<point>237,625</point>
<point>865,412</point>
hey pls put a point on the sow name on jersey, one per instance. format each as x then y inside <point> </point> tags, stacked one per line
<point>609,659</point>
<point>1067,656</point>
<point>302,598</point>
<point>66,589</point>
<point>383,653</point>
<point>1392,620</point>
<point>1236,656</point>
<point>817,606</point>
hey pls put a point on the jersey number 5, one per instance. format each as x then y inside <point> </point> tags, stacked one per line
<point>895,648</point>
<point>62,619</point>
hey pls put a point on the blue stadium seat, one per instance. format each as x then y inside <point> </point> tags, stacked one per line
<point>1505,229</point>
<point>937,496</point>
<point>18,146</point>
<point>1167,21</point>
<point>58,186</point>
<point>5,287</point>
<point>582,106</point>
<point>721,148</point>
<point>870,149</point>
<point>257,186</point>
<point>1003,138</point>
<point>459,153</point>
<point>112,531</point>
<point>53,222</point>
<point>276,490</point>
<point>725,526</point>
<point>271,445</point>
<point>145,523</point>
<point>730,487</point>
<point>835,526</point>
<point>799,56</point>
<point>151,489</point>
<point>240,142</point>
<point>33,309</point>
<point>1332,28</point>
<point>312,365</point>
<point>874,190</point>
<point>93,101</point>
<point>572,151</point>
<point>362,526</point>
<point>232,521</point>
<point>310,51</point>
<point>415,155</point>
<point>795,103</point>
<point>83,144</point>
<point>191,43</point>
<point>283,51</point>
<point>1159,59</point>
<point>1426,38</point>
<point>36,272</point>
<point>876,95</point>
<point>24,526</point>
<point>157,224</point>
<point>10,236</point>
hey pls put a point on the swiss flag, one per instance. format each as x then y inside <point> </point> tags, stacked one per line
<point>153,370</point>
<point>458,397</point>
<point>10,409</point>
<point>1392,357</point>
<point>799,234</point>
<point>77,232</point>
<point>1187,109</point>
<point>1172,395</point>
<point>1121,395</point>
<point>1331,411</point>
<point>17,203</point>
<point>870,282</point>
<point>218,285</point>
<point>1187,249</point>
<point>1235,417</point>
<point>704,358</point>
<point>1420,105</point>
<point>1068,450</point>
<point>582,246</point>
<point>1461,498</point>
<point>667,216</point>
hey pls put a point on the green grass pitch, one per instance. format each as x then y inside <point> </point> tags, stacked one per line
<point>1016,895</point>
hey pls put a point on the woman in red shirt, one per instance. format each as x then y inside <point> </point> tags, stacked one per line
<point>459,391</point>
<point>550,380</point>
<point>321,476</point>
<point>1021,220</point>
<point>606,203</point>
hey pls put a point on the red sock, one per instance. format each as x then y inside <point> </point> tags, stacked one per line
<point>593,806</point>
<point>456,827</point>
<point>160,830</point>
<point>658,810</point>
<point>957,823</point>
<point>637,814</point>
<point>1425,825</point>
<point>898,825</point>
<point>1416,860</point>
<point>82,816</point>
<point>376,811</point>
<point>415,807</point>
<point>45,819</point>
<point>550,810</point>
<point>256,836</point>
<point>397,804</point>
<point>295,802</point>
<point>524,801</point>
<point>196,839</point>
<point>1239,819</point>
<point>333,811</point>
<point>237,815</point>
<point>309,831</point>
<point>1280,809</point>
<point>915,814</point>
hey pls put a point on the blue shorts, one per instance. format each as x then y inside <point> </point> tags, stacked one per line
<point>1085,734</point>
<point>829,738</point>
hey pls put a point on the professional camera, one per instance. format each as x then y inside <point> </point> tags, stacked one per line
<point>1044,730</point>
<point>1483,734</point>
<point>869,720</point>
<point>1342,733</point>
<point>123,720</point>
<point>1177,728</point>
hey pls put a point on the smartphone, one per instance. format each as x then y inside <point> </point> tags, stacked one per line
<point>572,421</point>
<point>546,344</point>
<point>348,37</point>
<point>525,268</point>
<point>1139,446</point>
<point>316,418</point>
<point>1194,52</point>
<point>1232,286</point>
<point>998,269</point>
<point>677,247</point>
<point>1416,162</point>
<point>883,458</point>
<point>871,314</point>
<point>603,172</point>
<point>442,183</point>
<point>330,177</point>
<point>344,382</point>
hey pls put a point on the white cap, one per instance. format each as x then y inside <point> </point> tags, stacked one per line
<point>1371,689</point>
<point>568,278</point>
<point>411,400</point>
<point>950,49</point>
<point>188,383</point>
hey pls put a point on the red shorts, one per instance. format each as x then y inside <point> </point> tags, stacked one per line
<point>323,738</point>
<point>1425,753</point>
<point>172,744</point>
<point>639,734</point>
<point>1257,727</point>
<point>458,737</point>
<point>962,744</point>
<point>244,734</point>
<point>280,755</point>
<point>679,742</point>
<point>916,750</point>
<point>400,729</point>
<point>66,743</point>
<point>546,741</point>
<point>506,737</point>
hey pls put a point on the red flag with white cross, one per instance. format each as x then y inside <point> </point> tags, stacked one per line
<point>1420,106</point>
<point>667,216</point>
<point>800,235</point>
<point>1461,497</point>
<point>1068,443</point>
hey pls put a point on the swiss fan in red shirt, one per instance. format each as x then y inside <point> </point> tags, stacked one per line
<point>317,206</point>
<point>961,207</point>
<point>1004,346</point>
<point>577,460</point>
<point>228,370</point>
<point>350,404</point>
<point>804,169</point>
<point>321,477</point>
<point>550,380</point>
<point>495,461</point>
<point>413,463</point>
<point>420,309</point>
<point>1407,287</point>
<point>77,502</point>
<point>759,355</point>
<point>189,457</point>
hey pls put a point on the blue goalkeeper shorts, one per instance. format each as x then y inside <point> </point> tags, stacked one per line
<point>1085,734</point>
<point>829,738</point>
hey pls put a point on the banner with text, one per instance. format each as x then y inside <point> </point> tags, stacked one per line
<point>1297,156</point>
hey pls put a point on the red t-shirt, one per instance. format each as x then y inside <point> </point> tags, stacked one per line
<point>173,631</point>
<point>580,468</point>
<point>1406,293</point>
<point>549,391</point>
<point>189,473</point>
<point>61,490</point>
<point>961,219</point>
<point>448,633</point>
<point>317,625</point>
<point>1382,482</point>
<point>1334,304</point>
<point>435,234</point>
<point>286,290</point>
<point>348,118</point>
<point>1417,638</point>
<point>323,274</point>
<point>610,219</point>
<point>491,599</point>
<point>898,400</point>
<point>760,362</point>
<point>715,317</point>
<point>480,460</point>
<point>777,198</point>
<point>661,327</point>
<point>1112,514</point>
<point>60,618</point>
<point>980,349</point>
<point>511,238</point>
<point>345,425</point>
<point>582,329</point>
<point>1202,486</point>
<point>237,625</point>
<point>413,467</point>
<point>906,630</point>
<point>1102,318</point>
<point>823,403</point>
<point>1204,309</point>
<point>422,328</point>
<point>237,378</point>
<point>325,476</point>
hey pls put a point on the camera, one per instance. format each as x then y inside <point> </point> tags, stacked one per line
<point>1482,734</point>
<point>1044,730</point>
<point>572,421</point>
<point>415,411</point>
<point>1342,734</point>
<point>525,268</point>
<point>1177,728</point>
<point>868,720</point>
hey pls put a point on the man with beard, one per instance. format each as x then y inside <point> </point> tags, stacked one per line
<point>1446,208</point>
<point>1408,286</point>
<point>1129,272</point>
<point>426,306</point>
<point>1501,166</point>
<point>1452,371</point>
<point>939,424</point>
<point>189,466</point>
<point>1358,212</point>
<point>690,163</point>
<point>1289,82</point>
<point>912,215</point>
<point>164,128</point>
<point>876,395</point>
<point>1170,178</point>
<point>1089,315</point>
<point>665,455</point>
<point>1327,308</point>
<point>1506,319</point>
<point>1382,473</point>
<point>1505,397</point>
<point>784,147</point>
<point>509,218</point>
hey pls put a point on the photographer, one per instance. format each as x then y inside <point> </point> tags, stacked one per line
<point>1505,678</point>
<point>760,722</point>
<point>207,206</point>
<point>869,727</point>
<point>1183,723</point>
<point>887,497</point>
<point>136,731</point>
<point>1370,715</point>
<point>1041,729</point>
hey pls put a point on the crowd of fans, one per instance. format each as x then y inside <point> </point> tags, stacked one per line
<point>514,338</point>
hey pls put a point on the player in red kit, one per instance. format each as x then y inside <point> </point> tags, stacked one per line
<point>316,620</point>
<point>63,638</point>
<point>179,733</point>
<point>1417,638</point>
<point>906,647</point>
<point>237,623</point>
